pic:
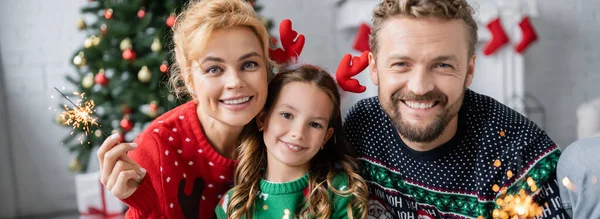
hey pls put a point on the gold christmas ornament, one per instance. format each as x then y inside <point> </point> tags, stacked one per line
<point>156,45</point>
<point>144,75</point>
<point>88,81</point>
<point>95,40</point>
<point>125,44</point>
<point>79,59</point>
<point>81,24</point>
<point>88,43</point>
<point>75,165</point>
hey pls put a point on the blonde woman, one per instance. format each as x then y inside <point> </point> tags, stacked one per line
<point>182,163</point>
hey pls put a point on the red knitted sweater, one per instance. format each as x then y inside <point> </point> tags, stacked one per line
<point>185,176</point>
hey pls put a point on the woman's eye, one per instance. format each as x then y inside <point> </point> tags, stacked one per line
<point>213,70</point>
<point>250,65</point>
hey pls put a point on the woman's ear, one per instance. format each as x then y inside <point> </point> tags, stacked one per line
<point>260,120</point>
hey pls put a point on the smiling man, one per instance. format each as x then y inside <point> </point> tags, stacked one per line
<point>429,146</point>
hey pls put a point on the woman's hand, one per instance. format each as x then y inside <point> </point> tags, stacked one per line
<point>118,172</point>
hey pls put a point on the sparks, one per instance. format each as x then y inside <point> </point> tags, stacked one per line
<point>80,116</point>
<point>518,205</point>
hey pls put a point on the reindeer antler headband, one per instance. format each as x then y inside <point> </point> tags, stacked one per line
<point>293,43</point>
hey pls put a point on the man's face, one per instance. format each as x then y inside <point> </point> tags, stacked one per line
<point>422,68</point>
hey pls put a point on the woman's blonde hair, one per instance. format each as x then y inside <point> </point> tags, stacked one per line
<point>193,28</point>
<point>331,160</point>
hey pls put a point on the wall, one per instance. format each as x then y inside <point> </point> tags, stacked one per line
<point>562,68</point>
<point>36,40</point>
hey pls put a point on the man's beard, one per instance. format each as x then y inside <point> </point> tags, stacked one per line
<point>431,131</point>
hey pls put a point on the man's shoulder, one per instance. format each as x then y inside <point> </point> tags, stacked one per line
<point>365,105</point>
<point>363,110</point>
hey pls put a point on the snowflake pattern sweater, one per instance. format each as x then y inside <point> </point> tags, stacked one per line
<point>282,200</point>
<point>185,176</point>
<point>495,152</point>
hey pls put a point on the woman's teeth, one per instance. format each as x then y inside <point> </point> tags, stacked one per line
<point>237,101</point>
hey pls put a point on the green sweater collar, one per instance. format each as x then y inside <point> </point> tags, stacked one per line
<point>284,187</point>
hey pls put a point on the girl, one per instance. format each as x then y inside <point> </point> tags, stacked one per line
<point>300,167</point>
<point>182,163</point>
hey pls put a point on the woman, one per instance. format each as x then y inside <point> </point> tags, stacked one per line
<point>183,162</point>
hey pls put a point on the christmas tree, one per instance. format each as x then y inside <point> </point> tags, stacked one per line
<point>123,67</point>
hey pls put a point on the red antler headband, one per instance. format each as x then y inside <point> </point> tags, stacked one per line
<point>292,47</point>
<point>293,43</point>
<point>346,70</point>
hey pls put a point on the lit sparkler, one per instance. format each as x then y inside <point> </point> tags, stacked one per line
<point>80,116</point>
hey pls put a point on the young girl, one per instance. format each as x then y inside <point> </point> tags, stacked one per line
<point>183,162</point>
<point>300,168</point>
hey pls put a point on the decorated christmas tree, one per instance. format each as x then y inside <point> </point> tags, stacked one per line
<point>122,69</point>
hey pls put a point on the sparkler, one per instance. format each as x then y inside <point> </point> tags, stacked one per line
<point>516,206</point>
<point>80,116</point>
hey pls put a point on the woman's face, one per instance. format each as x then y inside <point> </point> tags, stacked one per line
<point>230,76</point>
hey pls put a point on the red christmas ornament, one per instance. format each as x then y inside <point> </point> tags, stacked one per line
<point>101,79</point>
<point>108,13</point>
<point>153,107</point>
<point>273,40</point>
<point>164,68</point>
<point>129,54</point>
<point>125,109</point>
<point>171,20</point>
<point>141,13</point>
<point>126,124</point>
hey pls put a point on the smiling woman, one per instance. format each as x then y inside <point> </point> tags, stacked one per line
<point>221,61</point>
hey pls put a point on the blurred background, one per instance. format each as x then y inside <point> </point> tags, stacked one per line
<point>123,64</point>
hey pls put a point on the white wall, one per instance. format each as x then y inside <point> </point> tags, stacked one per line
<point>37,38</point>
<point>7,187</point>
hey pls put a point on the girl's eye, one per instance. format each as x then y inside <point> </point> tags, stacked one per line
<point>286,115</point>
<point>250,65</point>
<point>213,70</point>
<point>315,125</point>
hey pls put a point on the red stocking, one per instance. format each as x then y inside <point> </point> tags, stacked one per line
<point>529,35</point>
<point>499,37</point>
<point>361,43</point>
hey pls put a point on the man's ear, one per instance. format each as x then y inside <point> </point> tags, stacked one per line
<point>470,71</point>
<point>373,69</point>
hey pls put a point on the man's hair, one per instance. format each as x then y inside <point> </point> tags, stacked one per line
<point>444,9</point>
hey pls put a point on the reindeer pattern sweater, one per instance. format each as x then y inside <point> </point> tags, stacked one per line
<point>185,177</point>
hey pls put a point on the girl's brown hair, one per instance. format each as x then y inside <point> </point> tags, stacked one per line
<point>193,28</point>
<point>331,160</point>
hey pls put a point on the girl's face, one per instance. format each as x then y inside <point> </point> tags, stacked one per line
<point>230,77</point>
<point>296,127</point>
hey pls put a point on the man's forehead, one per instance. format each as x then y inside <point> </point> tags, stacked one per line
<point>404,26</point>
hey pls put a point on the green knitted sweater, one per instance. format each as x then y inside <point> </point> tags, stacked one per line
<point>283,200</point>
